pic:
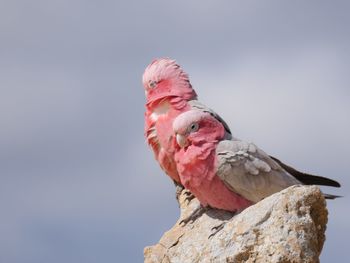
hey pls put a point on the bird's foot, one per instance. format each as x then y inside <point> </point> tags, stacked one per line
<point>189,196</point>
<point>198,212</point>
<point>178,190</point>
<point>217,229</point>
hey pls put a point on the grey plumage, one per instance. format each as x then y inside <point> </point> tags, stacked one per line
<point>249,171</point>
<point>308,179</point>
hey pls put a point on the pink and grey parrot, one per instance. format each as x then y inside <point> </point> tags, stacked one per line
<point>168,93</point>
<point>226,173</point>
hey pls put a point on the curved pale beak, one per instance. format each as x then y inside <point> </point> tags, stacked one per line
<point>181,140</point>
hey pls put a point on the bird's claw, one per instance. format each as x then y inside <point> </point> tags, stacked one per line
<point>187,193</point>
<point>216,229</point>
<point>189,196</point>
<point>179,189</point>
<point>198,212</point>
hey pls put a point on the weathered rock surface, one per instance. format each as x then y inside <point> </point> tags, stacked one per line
<point>286,227</point>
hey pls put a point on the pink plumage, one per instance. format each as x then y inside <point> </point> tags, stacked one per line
<point>168,91</point>
<point>225,172</point>
<point>221,171</point>
<point>197,162</point>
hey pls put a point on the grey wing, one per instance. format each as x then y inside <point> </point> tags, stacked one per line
<point>195,104</point>
<point>249,171</point>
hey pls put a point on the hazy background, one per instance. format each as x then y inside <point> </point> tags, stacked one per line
<point>77,181</point>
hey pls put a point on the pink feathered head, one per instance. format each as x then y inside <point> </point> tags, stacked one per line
<point>164,78</point>
<point>197,127</point>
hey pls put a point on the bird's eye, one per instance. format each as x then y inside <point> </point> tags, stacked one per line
<point>194,127</point>
<point>152,84</point>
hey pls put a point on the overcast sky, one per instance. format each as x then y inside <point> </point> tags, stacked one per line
<point>77,180</point>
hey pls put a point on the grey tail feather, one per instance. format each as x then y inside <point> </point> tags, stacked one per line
<point>305,178</point>
<point>332,197</point>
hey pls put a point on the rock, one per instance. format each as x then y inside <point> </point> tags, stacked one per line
<point>288,226</point>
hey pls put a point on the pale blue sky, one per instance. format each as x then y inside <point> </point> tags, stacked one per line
<point>77,181</point>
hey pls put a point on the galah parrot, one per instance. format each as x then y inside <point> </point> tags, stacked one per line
<point>168,93</point>
<point>226,173</point>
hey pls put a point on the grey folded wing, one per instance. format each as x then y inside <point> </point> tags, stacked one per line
<point>249,171</point>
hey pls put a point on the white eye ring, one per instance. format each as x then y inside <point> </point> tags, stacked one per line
<point>152,84</point>
<point>193,127</point>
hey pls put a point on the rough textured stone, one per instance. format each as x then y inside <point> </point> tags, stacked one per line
<point>286,227</point>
